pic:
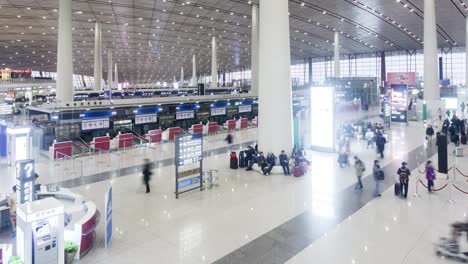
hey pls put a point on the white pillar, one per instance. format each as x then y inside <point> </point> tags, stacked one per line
<point>65,53</point>
<point>337,69</point>
<point>116,77</point>
<point>109,69</point>
<point>181,75</point>
<point>466,52</point>
<point>431,77</point>
<point>254,50</point>
<point>214,64</point>
<point>97,58</point>
<point>275,130</point>
<point>194,71</point>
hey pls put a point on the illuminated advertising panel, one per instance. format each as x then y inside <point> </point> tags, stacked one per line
<point>399,103</point>
<point>322,118</point>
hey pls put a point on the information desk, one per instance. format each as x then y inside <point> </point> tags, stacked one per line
<point>81,218</point>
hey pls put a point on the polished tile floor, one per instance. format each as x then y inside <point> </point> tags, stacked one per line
<point>252,218</point>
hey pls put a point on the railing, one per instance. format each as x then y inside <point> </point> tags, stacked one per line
<point>66,157</point>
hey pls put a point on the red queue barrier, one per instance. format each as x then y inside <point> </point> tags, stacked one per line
<point>155,136</point>
<point>244,123</point>
<point>62,149</point>
<point>101,143</point>
<point>125,140</point>
<point>197,129</point>
<point>212,128</point>
<point>231,125</point>
<point>174,132</point>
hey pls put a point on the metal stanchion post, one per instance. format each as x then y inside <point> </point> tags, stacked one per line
<point>100,156</point>
<point>450,182</point>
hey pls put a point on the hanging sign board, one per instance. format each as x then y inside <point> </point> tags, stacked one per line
<point>245,108</point>
<point>218,111</point>
<point>93,124</point>
<point>146,119</point>
<point>185,115</point>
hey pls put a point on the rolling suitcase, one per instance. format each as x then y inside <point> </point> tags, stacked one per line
<point>463,139</point>
<point>459,151</point>
<point>397,189</point>
<point>297,171</point>
<point>241,159</point>
<point>234,163</point>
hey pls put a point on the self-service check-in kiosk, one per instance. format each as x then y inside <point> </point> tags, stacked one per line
<point>40,232</point>
<point>19,144</point>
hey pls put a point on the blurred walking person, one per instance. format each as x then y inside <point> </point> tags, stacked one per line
<point>147,174</point>
<point>360,168</point>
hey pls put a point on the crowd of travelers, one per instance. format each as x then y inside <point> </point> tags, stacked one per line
<point>297,162</point>
<point>453,126</point>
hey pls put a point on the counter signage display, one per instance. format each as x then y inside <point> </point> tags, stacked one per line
<point>399,103</point>
<point>108,206</point>
<point>93,124</point>
<point>185,115</point>
<point>245,108</point>
<point>218,111</point>
<point>189,163</point>
<point>25,181</point>
<point>146,119</point>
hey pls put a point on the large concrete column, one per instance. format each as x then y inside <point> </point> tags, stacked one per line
<point>275,130</point>
<point>116,77</point>
<point>97,58</point>
<point>337,69</point>
<point>466,51</point>
<point>431,80</point>
<point>182,75</point>
<point>194,71</point>
<point>214,63</point>
<point>65,53</point>
<point>254,50</point>
<point>109,69</point>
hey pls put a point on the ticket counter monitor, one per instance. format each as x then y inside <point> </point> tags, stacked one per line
<point>40,232</point>
<point>19,144</point>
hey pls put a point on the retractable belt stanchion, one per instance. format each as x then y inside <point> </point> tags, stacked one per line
<point>450,182</point>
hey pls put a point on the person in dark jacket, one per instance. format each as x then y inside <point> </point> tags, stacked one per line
<point>445,126</point>
<point>284,162</point>
<point>404,174</point>
<point>378,177</point>
<point>429,134</point>
<point>380,142</point>
<point>147,174</point>
<point>270,163</point>
<point>250,157</point>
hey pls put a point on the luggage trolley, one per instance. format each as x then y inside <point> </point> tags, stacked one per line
<point>210,179</point>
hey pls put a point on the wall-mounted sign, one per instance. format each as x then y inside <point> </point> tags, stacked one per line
<point>93,124</point>
<point>145,119</point>
<point>185,115</point>
<point>245,108</point>
<point>399,103</point>
<point>218,111</point>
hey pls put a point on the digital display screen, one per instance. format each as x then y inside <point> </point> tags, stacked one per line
<point>322,117</point>
<point>399,103</point>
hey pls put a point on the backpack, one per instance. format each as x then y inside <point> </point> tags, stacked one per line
<point>403,176</point>
<point>380,175</point>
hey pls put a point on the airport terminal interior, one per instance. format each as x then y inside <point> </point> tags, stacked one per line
<point>233,131</point>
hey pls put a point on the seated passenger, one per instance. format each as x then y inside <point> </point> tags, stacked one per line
<point>270,163</point>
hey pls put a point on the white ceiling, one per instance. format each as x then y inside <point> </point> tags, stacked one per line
<point>152,39</point>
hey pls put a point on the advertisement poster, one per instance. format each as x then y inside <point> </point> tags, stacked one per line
<point>408,78</point>
<point>108,206</point>
<point>399,103</point>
